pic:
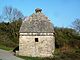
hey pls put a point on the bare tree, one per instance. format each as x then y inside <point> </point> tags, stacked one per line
<point>10,13</point>
<point>76,25</point>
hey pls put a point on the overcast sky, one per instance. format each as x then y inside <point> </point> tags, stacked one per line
<point>61,12</point>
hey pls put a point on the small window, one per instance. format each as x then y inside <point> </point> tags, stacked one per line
<point>36,39</point>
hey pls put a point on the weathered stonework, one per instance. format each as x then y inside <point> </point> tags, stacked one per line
<point>36,36</point>
<point>44,47</point>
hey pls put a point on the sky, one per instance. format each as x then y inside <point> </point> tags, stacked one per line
<point>61,12</point>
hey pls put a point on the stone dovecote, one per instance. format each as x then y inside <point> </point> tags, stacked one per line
<point>36,36</point>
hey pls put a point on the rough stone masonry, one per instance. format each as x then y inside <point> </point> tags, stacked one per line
<point>36,36</point>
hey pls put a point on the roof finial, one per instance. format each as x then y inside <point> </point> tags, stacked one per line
<point>38,10</point>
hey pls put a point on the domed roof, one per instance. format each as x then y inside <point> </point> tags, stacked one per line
<point>37,22</point>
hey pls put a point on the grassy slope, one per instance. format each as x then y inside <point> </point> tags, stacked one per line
<point>5,48</point>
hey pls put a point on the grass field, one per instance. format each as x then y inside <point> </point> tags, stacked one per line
<point>35,58</point>
<point>5,48</point>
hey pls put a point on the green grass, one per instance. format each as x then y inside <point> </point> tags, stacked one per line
<point>30,58</point>
<point>35,58</point>
<point>5,48</point>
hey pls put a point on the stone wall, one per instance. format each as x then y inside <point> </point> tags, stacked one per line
<point>42,48</point>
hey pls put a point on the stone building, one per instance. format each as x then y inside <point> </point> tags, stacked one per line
<point>36,36</point>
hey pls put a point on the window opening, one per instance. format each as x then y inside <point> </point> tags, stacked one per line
<point>36,39</point>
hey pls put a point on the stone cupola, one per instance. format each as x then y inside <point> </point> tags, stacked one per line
<point>37,10</point>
